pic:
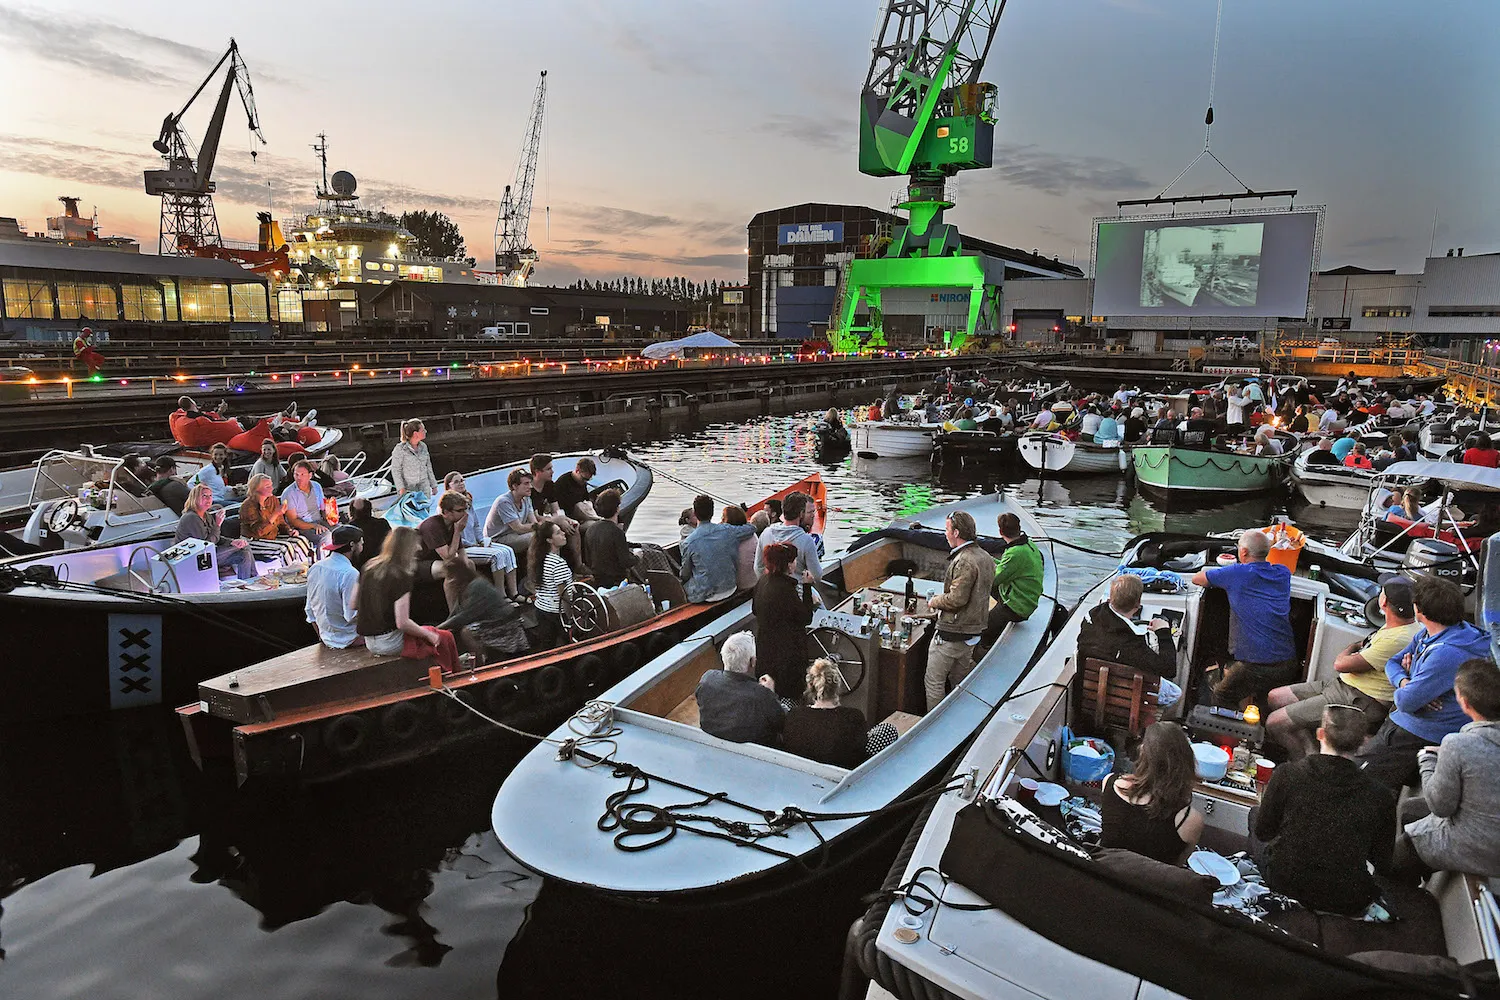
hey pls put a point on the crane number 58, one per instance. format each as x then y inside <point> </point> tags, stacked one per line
<point>959,145</point>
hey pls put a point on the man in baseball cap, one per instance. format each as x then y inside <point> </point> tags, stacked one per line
<point>1297,709</point>
<point>331,583</point>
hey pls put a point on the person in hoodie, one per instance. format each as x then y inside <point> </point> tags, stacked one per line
<point>710,554</point>
<point>1425,708</point>
<point>795,509</point>
<point>1454,825</point>
<point>1323,818</point>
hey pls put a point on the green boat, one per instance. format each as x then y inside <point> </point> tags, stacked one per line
<point>1187,473</point>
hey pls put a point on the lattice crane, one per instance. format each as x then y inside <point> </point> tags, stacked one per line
<point>185,184</point>
<point>514,255</point>
<point>924,114</point>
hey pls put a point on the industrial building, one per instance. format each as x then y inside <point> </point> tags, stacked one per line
<point>796,256</point>
<point>449,310</point>
<point>52,290</point>
<point>1454,303</point>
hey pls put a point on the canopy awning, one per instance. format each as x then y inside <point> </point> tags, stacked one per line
<point>696,341</point>
<point>1473,477</point>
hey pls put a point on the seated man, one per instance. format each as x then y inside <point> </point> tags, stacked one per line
<point>1260,626</point>
<point>732,705</point>
<point>1323,453</point>
<point>332,588</point>
<point>512,517</point>
<point>1452,825</point>
<point>1325,819</point>
<point>166,487</point>
<point>1111,633</point>
<point>1017,586</point>
<point>572,492</point>
<point>442,537</point>
<point>1424,708</point>
<point>1297,709</point>
<point>710,554</point>
<point>606,552</point>
<point>790,524</point>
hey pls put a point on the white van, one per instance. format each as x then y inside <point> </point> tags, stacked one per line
<point>505,331</point>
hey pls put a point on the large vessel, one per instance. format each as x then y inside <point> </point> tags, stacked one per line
<point>1179,280</point>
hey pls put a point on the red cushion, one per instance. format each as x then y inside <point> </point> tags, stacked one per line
<point>201,431</point>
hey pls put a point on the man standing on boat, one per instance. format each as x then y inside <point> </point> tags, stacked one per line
<point>961,607</point>
<point>332,588</point>
<point>1260,628</point>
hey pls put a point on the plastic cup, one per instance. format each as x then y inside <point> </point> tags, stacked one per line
<point>1263,769</point>
<point>1026,790</point>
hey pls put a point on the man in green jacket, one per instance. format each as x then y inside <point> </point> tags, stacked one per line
<point>1018,580</point>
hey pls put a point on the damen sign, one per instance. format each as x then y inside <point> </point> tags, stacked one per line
<point>810,232</point>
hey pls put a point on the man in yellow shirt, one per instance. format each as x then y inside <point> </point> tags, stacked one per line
<point>1297,709</point>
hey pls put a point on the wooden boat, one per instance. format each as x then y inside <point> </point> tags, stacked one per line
<point>940,938</point>
<point>548,812</point>
<point>894,439</point>
<point>1175,472</point>
<point>1058,453</point>
<point>316,714</point>
<point>141,622</point>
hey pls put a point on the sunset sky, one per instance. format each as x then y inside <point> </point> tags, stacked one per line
<point>671,122</point>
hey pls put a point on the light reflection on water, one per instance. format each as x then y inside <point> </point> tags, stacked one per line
<point>387,885</point>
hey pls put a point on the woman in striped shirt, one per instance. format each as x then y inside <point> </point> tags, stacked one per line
<point>550,577</point>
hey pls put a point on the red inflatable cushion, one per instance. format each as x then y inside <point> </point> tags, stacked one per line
<point>202,431</point>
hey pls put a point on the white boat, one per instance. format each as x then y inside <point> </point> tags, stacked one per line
<point>1057,453</point>
<point>1055,924</point>
<point>1332,485</point>
<point>894,439</point>
<point>547,813</point>
<point>1179,280</point>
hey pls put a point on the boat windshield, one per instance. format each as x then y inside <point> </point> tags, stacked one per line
<point>63,474</point>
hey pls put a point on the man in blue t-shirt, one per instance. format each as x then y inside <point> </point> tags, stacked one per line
<point>1260,624</point>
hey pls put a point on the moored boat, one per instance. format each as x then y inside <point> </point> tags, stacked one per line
<point>894,439</point>
<point>1057,453</point>
<point>772,815</point>
<point>1176,472</point>
<point>315,714</point>
<point>1331,485</point>
<point>997,896</point>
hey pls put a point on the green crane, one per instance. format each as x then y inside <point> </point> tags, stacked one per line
<point>924,115</point>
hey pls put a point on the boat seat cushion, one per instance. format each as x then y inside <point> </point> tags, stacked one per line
<point>1418,929</point>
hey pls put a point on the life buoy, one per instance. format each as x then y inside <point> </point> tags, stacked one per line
<point>454,715</point>
<point>627,658</point>
<point>590,671</point>
<point>502,697</point>
<point>549,684</point>
<point>401,722</point>
<point>346,736</point>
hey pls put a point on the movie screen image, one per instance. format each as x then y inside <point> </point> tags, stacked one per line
<point>1209,264</point>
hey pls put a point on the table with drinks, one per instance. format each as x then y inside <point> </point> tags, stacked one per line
<point>898,674</point>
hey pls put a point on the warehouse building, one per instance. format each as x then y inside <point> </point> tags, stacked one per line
<point>1453,303</point>
<point>52,290</point>
<point>796,256</point>
<point>450,310</point>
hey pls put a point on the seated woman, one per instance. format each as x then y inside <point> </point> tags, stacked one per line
<point>332,477</point>
<point>262,518</point>
<point>215,475</point>
<point>1480,450</point>
<point>1358,457</point>
<point>502,557</point>
<point>744,568</point>
<point>384,606</point>
<point>197,522</point>
<point>821,729</point>
<point>1151,811</point>
<point>485,622</point>
<point>550,577</point>
<point>783,608</point>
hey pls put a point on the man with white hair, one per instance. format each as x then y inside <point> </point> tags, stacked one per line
<point>1261,642</point>
<point>732,704</point>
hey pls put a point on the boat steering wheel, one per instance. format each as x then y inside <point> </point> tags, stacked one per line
<point>585,612</point>
<point>845,655</point>
<point>67,513</point>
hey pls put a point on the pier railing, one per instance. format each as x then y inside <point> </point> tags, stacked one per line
<point>1476,383</point>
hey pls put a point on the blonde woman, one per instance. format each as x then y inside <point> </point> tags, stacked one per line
<point>198,521</point>
<point>411,463</point>
<point>384,606</point>
<point>821,729</point>
<point>262,520</point>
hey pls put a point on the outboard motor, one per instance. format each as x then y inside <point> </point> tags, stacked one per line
<point>1434,557</point>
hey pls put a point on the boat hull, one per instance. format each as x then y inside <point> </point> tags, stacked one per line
<point>1332,486</point>
<point>1180,473</point>
<point>1055,453</point>
<point>885,440</point>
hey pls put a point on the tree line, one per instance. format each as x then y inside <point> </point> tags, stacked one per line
<point>682,289</point>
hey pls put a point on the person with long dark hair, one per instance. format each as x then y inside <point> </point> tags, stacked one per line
<point>1151,810</point>
<point>383,602</point>
<point>550,577</point>
<point>783,608</point>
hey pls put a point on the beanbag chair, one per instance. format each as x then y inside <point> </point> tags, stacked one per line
<point>249,441</point>
<point>202,431</point>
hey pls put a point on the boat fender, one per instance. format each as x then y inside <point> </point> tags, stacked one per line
<point>454,715</point>
<point>627,658</point>
<point>549,684</point>
<point>654,645</point>
<point>401,722</point>
<point>590,671</point>
<point>346,736</point>
<point>502,697</point>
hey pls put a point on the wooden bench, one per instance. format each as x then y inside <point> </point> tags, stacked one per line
<point>307,677</point>
<point>1114,695</point>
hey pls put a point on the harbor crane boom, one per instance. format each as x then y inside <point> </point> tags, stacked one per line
<point>514,255</point>
<point>185,184</point>
<point>925,115</point>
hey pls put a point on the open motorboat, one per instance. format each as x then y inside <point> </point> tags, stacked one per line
<point>1057,453</point>
<point>756,817</point>
<point>1002,893</point>
<point>316,714</point>
<point>143,619</point>
<point>898,437</point>
<point>1331,485</point>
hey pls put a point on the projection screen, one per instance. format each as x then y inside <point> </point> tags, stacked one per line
<point>1220,265</point>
